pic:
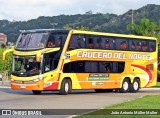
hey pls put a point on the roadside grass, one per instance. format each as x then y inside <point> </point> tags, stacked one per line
<point>145,103</point>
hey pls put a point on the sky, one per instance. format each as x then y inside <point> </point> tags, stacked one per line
<point>23,10</point>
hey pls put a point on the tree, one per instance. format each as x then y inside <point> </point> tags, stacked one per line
<point>5,65</point>
<point>82,28</point>
<point>3,46</point>
<point>145,28</point>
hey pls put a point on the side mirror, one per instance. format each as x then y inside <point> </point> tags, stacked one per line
<point>5,52</point>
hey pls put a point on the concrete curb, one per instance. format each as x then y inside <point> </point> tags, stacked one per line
<point>150,89</point>
<point>5,87</point>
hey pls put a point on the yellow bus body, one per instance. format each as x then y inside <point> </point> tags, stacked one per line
<point>52,80</point>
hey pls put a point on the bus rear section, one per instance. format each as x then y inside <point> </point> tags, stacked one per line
<point>107,62</point>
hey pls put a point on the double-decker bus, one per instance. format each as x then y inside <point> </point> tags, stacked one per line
<point>48,59</point>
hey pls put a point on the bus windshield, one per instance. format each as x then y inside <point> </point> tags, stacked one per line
<point>28,66</point>
<point>25,66</point>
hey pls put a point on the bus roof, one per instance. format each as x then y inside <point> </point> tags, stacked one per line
<point>87,32</point>
<point>112,34</point>
<point>45,30</point>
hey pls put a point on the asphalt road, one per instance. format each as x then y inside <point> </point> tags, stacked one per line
<point>88,99</point>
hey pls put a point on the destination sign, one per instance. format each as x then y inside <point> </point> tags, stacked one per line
<point>112,55</point>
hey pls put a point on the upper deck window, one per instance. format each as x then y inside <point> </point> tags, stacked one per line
<point>32,41</point>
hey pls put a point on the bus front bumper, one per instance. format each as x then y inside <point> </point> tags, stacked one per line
<point>32,86</point>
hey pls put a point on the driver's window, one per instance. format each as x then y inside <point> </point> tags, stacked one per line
<point>48,62</point>
<point>51,61</point>
<point>47,65</point>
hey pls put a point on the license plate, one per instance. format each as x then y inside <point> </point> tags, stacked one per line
<point>22,86</point>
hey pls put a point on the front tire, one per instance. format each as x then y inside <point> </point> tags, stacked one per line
<point>36,92</point>
<point>125,86</point>
<point>65,87</point>
<point>134,87</point>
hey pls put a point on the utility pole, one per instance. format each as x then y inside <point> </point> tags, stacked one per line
<point>145,11</point>
<point>132,16</point>
<point>132,19</point>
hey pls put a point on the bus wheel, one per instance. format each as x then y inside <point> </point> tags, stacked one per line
<point>134,87</point>
<point>125,86</point>
<point>65,87</point>
<point>36,92</point>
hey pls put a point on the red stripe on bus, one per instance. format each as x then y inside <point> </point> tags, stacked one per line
<point>147,71</point>
<point>54,86</point>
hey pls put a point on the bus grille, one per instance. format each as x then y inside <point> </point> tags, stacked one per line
<point>23,82</point>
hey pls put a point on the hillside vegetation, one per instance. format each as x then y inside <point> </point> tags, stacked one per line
<point>97,22</point>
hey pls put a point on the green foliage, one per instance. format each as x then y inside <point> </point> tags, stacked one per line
<point>7,64</point>
<point>11,29</point>
<point>82,28</point>
<point>98,22</point>
<point>145,28</point>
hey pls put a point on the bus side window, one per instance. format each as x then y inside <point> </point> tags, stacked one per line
<point>115,67</point>
<point>81,67</point>
<point>98,43</point>
<point>144,46</point>
<point>73,43</point>
<point>121,44</point>
<point>152,46</point>
<point>138,45</point>
<point>47,63</point>
<point>108,67</point>
<point>90,43</point>
<point>51,60</point>
<point>91,67</point>
<point>118,67</point>
<point>81,41</point>
<point>59,41</point>
<point>106,43</point>
<point>101,67</point>
<point>121,67</point>
<point>51,41</point>
<point>132,45</point>
<point>67,67</point>
<point>70,67</point>
<point>74,67</point>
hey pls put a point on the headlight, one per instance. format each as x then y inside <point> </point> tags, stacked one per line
<point>36,80</point>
